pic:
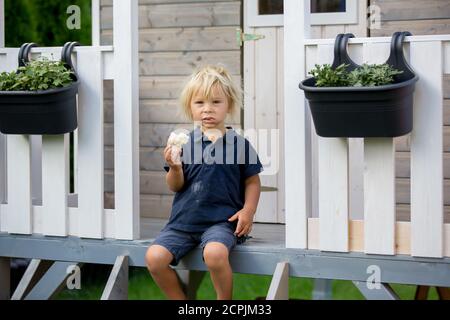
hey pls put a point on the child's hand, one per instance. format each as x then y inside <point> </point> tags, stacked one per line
<point>172,156</point>
<point>245,221</point>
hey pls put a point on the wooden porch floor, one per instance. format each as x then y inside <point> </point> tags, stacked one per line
<point>263,234</point>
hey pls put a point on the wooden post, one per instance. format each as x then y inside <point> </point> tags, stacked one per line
<point>126,118</point>
<point>296,29</point>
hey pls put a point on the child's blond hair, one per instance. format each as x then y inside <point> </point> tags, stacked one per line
<point>203,81</point>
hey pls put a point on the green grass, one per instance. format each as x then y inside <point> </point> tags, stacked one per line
<point>245,287</point>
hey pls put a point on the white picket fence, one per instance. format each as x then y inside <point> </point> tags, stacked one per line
<point>22,157</point>
<point>359,174</point>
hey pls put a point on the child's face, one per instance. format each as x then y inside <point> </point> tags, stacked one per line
<point>210,112</point>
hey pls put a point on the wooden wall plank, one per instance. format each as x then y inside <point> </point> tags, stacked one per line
<point>182,15</point>
<point>395,10</point>
<point>416,27</point>
<point>183,63</point>
<point>183,39</point>
<point>426,152</point>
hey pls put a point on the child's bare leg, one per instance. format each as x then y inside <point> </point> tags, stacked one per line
<point>158,259</point>
<point>216,258</point>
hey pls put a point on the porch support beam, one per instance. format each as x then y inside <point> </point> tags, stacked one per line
<point>35,271</point>
<point>117,286</point>
<point>279,287</point>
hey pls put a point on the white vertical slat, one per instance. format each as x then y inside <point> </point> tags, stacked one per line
<point>311,147</point>
<point>90,143</point>
<point>19,214</point>
<point>333,194</point>
<point>126,118</point>
<point>379,178</point>
<point>379,196</point>
<point>426,151</point>
<point>296,30</point>
<point>55,173</point>
<point>95,13</point>
<point>333,182</point>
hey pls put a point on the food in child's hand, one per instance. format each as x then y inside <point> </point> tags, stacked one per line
<point>176,141</point>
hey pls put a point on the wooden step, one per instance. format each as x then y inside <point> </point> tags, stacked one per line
<point>404,194</point>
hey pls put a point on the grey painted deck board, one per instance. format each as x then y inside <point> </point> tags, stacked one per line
<point>263,234</point>
<point>259,255</point>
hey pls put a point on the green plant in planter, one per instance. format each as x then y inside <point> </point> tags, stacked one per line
<point>364,76</point>
<point>40,74</point>
<point>326,76</point>
<point>373,75</point>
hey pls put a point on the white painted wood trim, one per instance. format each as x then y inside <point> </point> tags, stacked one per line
<point>426,151</point>
<point>254,19</point>
<point>90,144</point>
<point>379,196</point>
<point>55,176</point>
<point>95,13</point>
<point>296,30</point>
<point>126,119</point>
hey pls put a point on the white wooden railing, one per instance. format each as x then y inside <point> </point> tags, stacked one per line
<point>372,228</point>
<point>81,214</point>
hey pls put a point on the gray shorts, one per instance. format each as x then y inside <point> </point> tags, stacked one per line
<point>179,243</point>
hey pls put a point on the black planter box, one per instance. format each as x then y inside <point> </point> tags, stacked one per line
<point>46,112</point>
<point>358,112</point>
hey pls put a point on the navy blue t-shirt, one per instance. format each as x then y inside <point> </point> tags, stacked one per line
<point>214,180</point>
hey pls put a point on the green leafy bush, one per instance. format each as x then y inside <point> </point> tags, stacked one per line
<point>373,75</point>
<point>368,75</point>
<point>40,74</point>
<point>329,77</point>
